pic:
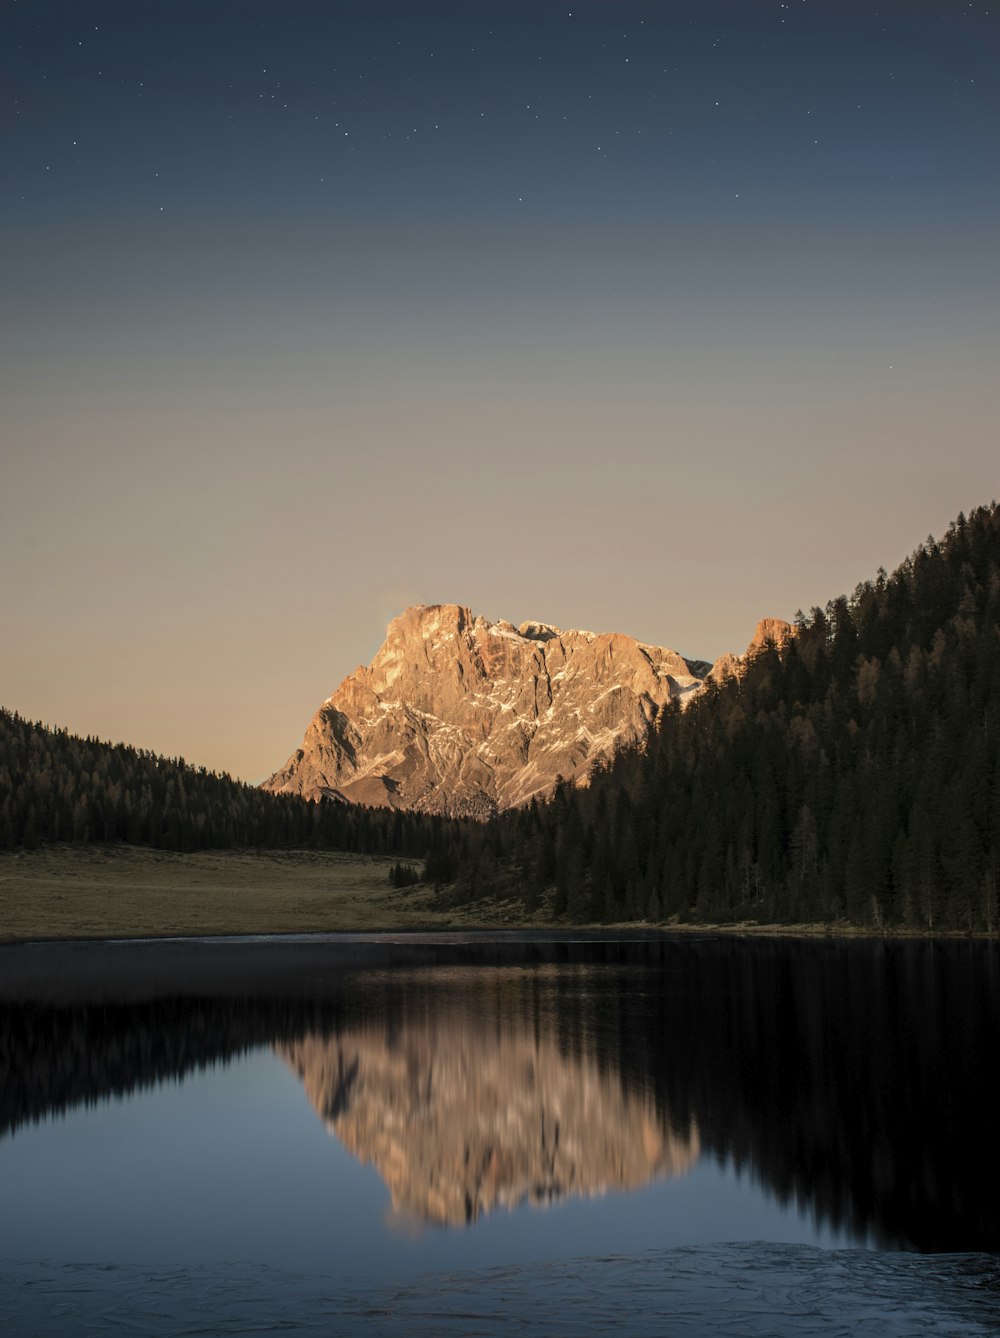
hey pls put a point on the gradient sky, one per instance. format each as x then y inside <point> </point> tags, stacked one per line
<point>645,317</point>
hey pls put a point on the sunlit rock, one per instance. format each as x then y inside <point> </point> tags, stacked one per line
<point>457,714</point>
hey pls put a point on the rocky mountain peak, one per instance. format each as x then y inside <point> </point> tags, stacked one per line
<point>770,632</point>
<point>461,714</point>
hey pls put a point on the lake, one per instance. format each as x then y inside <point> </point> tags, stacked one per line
<point>475,1133</point>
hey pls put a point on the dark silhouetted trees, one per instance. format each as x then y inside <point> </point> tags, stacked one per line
<point>853,774</point>
<point>55,786</point>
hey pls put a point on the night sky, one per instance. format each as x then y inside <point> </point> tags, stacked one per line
<point>655,318</point>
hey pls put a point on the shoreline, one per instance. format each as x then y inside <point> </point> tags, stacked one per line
<point>314,966</point>
<point>529,931</point>
<point>65,894</point>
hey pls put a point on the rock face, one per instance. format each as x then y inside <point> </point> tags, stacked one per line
<point>456,714</point>
<point>770,632</point>
<point>459,1123</point>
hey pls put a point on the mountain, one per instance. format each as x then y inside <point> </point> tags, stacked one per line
<point>460,715</point>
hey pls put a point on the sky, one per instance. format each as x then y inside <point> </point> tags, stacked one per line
<point>656,318</point>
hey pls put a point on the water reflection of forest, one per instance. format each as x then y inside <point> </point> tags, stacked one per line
<point>853,1078</point>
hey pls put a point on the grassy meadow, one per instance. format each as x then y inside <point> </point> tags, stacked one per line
<point>132,892</point>
<point>121,891</point>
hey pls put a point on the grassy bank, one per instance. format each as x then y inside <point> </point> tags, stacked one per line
<point>117,891</point>
<point>132,892</point>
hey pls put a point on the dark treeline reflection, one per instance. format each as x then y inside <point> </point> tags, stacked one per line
<point>855,1078</point>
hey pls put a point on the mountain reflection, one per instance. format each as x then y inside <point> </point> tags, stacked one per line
<point>459,1120</point>
<point>853,1079</point>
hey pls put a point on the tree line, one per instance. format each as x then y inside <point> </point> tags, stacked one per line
<point>56,786</point>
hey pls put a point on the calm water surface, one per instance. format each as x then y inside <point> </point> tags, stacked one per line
<point>372,1112</point>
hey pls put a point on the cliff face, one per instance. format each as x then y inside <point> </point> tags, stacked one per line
<point>769,632</point>
<point>459,1124</point>
<point>456,714</point>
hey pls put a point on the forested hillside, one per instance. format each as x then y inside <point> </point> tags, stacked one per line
<point>55,786</point>
<point>851,774</point>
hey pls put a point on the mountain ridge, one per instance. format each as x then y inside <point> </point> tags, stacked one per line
<point>462,715</point>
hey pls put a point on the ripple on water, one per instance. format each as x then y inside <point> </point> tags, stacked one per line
<point>749,1290</point>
